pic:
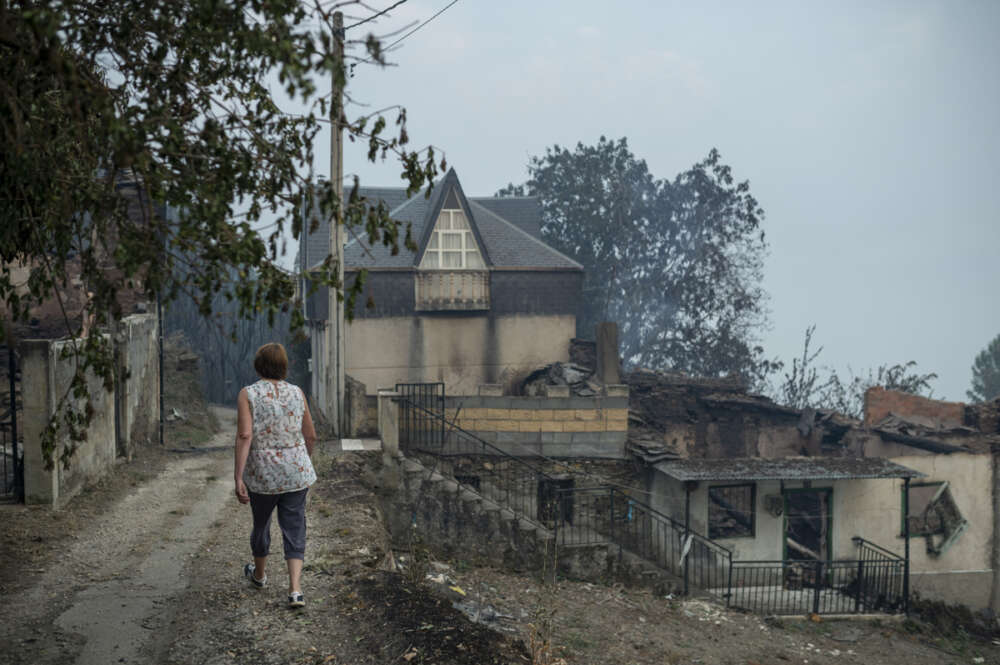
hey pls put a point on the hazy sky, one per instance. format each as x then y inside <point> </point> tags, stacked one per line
<point>870,133</point>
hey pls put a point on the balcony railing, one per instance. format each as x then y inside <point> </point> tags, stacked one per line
<point>438,290</point>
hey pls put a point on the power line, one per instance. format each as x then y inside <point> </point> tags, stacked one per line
<point>375,16</point>
<point>421,25</point>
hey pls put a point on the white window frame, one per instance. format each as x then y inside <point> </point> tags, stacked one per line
<point>434,254</point>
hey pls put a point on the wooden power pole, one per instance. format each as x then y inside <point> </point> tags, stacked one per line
<point>335,348</point>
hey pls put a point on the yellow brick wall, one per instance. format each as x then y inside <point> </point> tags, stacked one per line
<point>540,420</point>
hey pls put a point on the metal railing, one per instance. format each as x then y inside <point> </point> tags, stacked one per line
<point>608,515</point>
<point>11,452</point>
<point>871,583</point>
<point>508,481</point>
<point>421,416</point>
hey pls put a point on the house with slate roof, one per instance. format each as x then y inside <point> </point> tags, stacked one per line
<point>483,300</point>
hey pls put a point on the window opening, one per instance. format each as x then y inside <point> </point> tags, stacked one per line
<point>934,515</point>
<point>731,511</point>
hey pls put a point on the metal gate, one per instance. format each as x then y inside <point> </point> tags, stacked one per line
<point>11,450</point>
<point>421,416</point>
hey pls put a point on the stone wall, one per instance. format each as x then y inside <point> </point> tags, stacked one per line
<point>594,427</point>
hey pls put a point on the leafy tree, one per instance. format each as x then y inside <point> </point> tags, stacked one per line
<point>806,385</point>
<point>986,373</point>
<point>172,96</point>
<point>677,263</point>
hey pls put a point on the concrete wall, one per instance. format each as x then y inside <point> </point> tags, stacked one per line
<point>45,379</point>
<point>594,427</point>
<point>139,367</point>
<point>463,350</point>
<point>962,574</point>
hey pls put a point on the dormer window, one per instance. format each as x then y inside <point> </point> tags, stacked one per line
<point>452,245</point>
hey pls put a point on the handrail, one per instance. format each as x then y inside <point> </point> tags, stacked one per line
<point>482,442</point>
<point>878,548</point>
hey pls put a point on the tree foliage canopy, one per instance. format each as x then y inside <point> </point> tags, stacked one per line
<point>172,95</point>
<point>986,373</point>
<point>676,263</point>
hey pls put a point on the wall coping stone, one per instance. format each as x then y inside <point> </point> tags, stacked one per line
<point>486,402</point>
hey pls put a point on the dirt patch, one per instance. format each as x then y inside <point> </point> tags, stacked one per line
<point>425,629</point>
<point>35,535</point>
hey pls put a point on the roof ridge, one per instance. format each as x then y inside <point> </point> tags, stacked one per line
<point>502,198</point>
<point>392,212</point>
<point>516,228</point>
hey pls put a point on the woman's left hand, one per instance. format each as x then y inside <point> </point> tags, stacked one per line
<point>241,492</point>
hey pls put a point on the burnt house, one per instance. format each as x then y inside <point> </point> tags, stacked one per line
<point>483,300</point>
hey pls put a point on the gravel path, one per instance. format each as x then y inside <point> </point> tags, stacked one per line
<point>107,597</point>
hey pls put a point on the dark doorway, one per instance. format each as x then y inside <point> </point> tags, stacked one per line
<point>808,524</point>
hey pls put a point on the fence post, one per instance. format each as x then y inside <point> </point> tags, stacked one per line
<point>18,460</point>
<point>729,583</point>
<point>906,540</point>
<point>817,586</point>
<point>860,585</point>
<point>687,534</point>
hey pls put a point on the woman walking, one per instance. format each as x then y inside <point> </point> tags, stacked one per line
<point>274,442</point>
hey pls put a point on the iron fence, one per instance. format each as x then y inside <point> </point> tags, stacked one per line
<point>421,416</point>
<point>608,515</point>
<point>871,583</point>
<point>511,482</point>
<point>11,452</point>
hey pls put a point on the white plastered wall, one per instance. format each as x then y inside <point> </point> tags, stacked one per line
<point>463,351</point>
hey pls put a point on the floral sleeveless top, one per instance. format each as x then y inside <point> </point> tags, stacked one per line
<point>278,460</point>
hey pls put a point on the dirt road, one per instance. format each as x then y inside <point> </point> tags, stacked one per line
<point>107,597</point>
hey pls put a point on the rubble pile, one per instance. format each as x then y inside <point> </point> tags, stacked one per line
<point>580,380</point>
<point>659,400</point>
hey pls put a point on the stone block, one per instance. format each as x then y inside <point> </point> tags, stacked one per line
<point>563,414</point>
<point>551,425</point>
<point>586,414</point>
<point>582,402</point>
<point>521,414</point>
<point>587,437</point>
<point>498,414</point>
<point>506,425</point>
<point>491,390</point>
<point>616,390</point>
<point>582,426</point>
<point>529,426</point>
<point>616,425</point>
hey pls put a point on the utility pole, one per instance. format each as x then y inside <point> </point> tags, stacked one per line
<point>335,348</point>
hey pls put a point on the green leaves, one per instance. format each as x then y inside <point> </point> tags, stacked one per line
<point>143,153</point>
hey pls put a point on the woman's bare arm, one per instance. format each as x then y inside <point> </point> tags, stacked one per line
<point>244,434</point>
<point>308,430</point>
